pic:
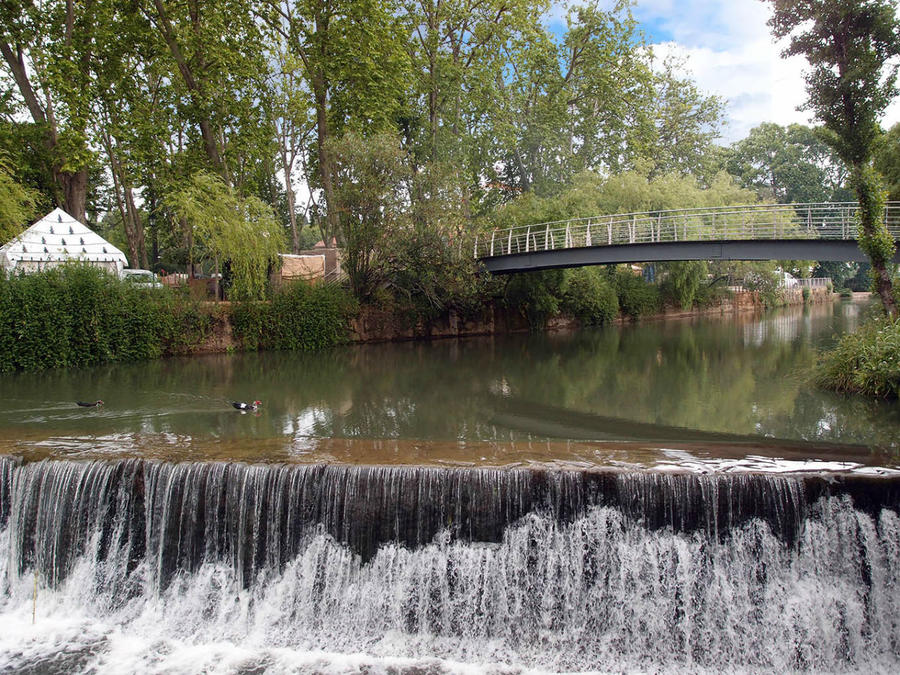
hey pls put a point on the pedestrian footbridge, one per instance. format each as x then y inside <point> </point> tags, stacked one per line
<point>822,231</point>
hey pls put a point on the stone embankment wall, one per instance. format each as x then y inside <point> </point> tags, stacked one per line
<point>377,325</point>
<point>374,325</point>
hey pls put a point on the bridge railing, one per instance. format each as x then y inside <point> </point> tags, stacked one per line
<point>832,220</point>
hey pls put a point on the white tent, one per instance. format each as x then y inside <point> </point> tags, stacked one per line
<point>56,239</point>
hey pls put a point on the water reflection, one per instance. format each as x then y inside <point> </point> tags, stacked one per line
<point>738,380</point>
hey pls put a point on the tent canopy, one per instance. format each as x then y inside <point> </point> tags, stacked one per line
<point>58,238</point>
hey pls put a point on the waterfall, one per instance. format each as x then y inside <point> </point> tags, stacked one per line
<point>147,566</point>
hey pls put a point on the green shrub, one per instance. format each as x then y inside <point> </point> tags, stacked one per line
<point>865,362</point>
<point>636,297</point>
<point>807,295</point>
<point>711,293</point>
<point>589,297</point>
<point>77,315</point>
<point>536,295</point>
<point>845,293</point>
<point>299,317</point>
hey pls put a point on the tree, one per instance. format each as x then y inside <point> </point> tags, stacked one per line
<point>371,183</point>
<point>787,164</point>
<point>47,49</point>
<point>849,45</point>
<point>240,231</point>
<point>354,65</point>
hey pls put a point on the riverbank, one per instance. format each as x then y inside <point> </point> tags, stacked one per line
<point>76,317</point>
<point>372,325</point>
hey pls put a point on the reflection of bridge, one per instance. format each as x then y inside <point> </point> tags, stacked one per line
<point>824,231</point>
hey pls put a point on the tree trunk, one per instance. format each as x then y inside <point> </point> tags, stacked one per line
<point>874,238</point>
<point>74,190</point>
<point>137,226</point>
<point>289,192</point>
<point>325,166</point>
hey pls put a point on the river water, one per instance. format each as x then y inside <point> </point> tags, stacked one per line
<point>665,497</point>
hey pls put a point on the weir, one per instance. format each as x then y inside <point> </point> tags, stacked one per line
<point>553,569</point>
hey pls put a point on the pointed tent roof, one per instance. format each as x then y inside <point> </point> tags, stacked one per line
<point>58,237</point>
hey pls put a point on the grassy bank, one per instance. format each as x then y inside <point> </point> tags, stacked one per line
<point>866,362</point>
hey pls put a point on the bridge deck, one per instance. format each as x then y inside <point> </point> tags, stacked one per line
<point>764,232</point>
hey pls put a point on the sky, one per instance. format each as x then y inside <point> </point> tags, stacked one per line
<point>728,50</point>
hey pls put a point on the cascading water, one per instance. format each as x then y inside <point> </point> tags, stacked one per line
<point>155,567</point>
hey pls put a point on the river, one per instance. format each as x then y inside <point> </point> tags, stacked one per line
<point>662,497</point>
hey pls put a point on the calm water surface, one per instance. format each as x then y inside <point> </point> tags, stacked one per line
<point>723,393</point>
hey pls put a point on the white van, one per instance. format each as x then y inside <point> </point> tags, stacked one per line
<point>141,278</point>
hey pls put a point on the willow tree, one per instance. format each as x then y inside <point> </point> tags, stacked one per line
<point>227,227</point>
<point>17,204</point>
<point>850,45</point>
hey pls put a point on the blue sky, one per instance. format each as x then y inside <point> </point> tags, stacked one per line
<point>727,48</point>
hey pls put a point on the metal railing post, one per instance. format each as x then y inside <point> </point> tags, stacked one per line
<point>587,234</point>
<point>527,237</point>
<point>547,243</point>
<point>493,234</point>
<point>509,243</point>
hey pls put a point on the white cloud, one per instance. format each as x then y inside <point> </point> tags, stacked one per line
<point>756,83</point>
<point>730,52</point>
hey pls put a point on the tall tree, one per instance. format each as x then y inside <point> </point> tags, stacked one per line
<point>354,66</point>
<point>47,48</point>
<point>210,44</point>
<point>787,164</point>
<point>850,45</point>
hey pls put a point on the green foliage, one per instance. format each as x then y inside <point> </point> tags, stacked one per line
<point>874,238</point>
<point>787,165</point>
<point>371,178</point>
<point>764,282</point>
<point>591,194</point>
<point>807,295</point>
<point>846,293</point>
<point>711,293</point>
<point>589,296</point>
<point>637,298</point>
<point>838,272</point>
<point>17,204</point>
<point>866,362</point>
<point>851,46</point>
<point>683,281</point>
<point>299,317</point>
<point>536,295</point>
<point>887,161</point>
<point>242,231</point>
<point>426,276</point>
<point>76,316</point>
